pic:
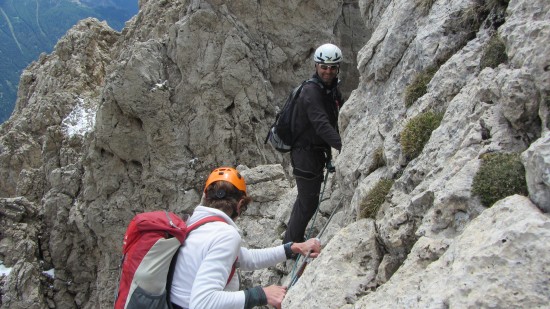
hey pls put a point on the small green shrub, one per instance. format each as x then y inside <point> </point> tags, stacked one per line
<point>377,160</point>
<point>419,85</point>
<point>494,53</point>
<point>375,197</point>
<point>417,132</point>
<point>500,175</point>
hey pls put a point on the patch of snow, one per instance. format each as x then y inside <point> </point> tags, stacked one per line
<point>160,86</point>
<point>4,271</point>
<point>50,273</point>
<point>193,161</point>
<point>80,121</point>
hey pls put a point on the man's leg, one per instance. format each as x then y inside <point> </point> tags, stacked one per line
<point>304,208</point>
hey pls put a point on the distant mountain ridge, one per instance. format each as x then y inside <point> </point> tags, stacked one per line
<point>31,27</point>
<point>130,5</point>
<point>97,3</point>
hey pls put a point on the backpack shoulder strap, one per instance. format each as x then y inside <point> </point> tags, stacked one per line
<point>233,269</point>
<point>213,219</point>
<point>203,221</point>
<point>314,81</point>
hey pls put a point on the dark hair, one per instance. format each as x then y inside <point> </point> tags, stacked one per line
<point>225,196</point>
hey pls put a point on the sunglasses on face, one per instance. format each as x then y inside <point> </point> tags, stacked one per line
<point>331,67</point>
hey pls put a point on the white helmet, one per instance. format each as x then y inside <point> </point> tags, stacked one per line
<point>328,53</point>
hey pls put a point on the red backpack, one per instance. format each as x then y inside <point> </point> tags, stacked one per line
<point>150,248</point>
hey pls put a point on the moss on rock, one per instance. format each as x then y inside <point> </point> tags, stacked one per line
<point>494,53</point>
<point>374,199</point>
<point>500,175</point>
<point>419,86</point>
<point>417,132</point>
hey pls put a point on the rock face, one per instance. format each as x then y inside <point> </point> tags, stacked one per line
<point>484,267</point>
<point>112,124</point>
<point>536,160</point>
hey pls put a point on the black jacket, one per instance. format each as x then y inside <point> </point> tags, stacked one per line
<point>315,127</point>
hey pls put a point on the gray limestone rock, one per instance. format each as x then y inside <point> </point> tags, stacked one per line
<point>499,261</point>
<point>536,160</point>
<point>111,124</point>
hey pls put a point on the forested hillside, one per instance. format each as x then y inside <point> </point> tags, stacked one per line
<point>31,27</point>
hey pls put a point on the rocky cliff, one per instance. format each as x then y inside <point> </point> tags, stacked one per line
<point>441,191</point>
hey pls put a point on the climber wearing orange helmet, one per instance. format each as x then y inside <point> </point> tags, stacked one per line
<point>219,191</point>
<point>203,275</point>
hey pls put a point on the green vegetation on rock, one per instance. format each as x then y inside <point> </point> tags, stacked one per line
<point>419,86</point>
<point>417,132</point>
<point>494,53</point>
<point>377,160</point>
<point>374,199</point>
<point>500,175</point>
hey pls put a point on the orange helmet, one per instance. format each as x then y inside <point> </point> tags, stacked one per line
<point>228,174</point>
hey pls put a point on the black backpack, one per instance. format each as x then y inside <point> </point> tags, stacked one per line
<point>280,134</point>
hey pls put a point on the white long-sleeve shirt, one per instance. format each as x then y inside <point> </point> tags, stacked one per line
<point>206,259</point>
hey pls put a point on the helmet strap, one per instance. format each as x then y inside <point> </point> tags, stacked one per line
<point>221,194</point>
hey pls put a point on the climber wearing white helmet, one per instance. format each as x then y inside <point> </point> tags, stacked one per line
<point>316,120</point>
<point>327,59</point>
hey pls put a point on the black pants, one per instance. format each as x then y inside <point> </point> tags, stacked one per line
<point>304,208</point>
